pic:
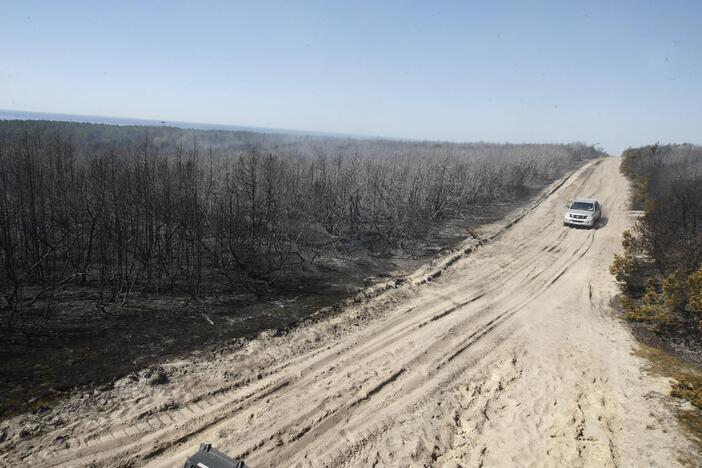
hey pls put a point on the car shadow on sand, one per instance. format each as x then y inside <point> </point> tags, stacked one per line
<point>602,222</point>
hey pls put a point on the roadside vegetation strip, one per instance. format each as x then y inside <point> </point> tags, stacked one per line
<point>660,269</point>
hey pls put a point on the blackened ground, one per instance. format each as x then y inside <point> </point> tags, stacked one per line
<point>683,341</point>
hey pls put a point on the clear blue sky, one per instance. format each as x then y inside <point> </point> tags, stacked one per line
<point>621,73</point>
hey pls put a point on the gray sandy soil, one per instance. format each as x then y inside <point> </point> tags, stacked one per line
<point>509,356</point>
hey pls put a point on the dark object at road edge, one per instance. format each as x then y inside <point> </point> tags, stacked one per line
<point>208,457</point>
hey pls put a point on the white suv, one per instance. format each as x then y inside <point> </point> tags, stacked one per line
<point>583,212</point>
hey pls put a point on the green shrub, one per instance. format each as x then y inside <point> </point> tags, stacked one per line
<point>689,390</point>
<point>675,291</point>
<point>652,307</point>
<point>626,271</point>
<point>694,282</point>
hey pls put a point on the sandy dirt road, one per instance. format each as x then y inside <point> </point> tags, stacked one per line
<point>512,357</point>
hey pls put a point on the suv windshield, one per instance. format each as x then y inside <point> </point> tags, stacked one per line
<point>582,206</point>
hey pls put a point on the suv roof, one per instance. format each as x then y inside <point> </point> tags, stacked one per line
<point>586,200</point>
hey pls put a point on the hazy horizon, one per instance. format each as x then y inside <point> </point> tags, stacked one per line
<point>622,75</point>
<point>11,114</point>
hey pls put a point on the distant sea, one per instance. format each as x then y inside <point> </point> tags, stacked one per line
<point>23,115</point>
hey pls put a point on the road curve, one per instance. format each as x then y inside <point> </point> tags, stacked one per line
<point>512,357</point>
